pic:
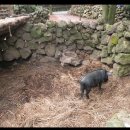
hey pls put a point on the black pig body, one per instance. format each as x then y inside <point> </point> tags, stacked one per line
<point>93,79</point>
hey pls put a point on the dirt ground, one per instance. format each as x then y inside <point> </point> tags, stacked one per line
<point>47,95</point>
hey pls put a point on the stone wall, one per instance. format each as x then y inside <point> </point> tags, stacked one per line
<point>110,43</point>
<point>95,11</point>
<point>116,47</point>
<point>51,39</point>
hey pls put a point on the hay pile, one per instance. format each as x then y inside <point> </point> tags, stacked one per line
<point>53,98</point>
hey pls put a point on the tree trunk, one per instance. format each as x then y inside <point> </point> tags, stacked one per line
<point>105,9</point>
<point>111,15</point>
<point>50,9</point>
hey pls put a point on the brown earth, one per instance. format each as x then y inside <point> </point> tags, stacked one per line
<point>47,95</point>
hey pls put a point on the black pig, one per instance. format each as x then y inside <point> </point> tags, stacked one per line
<point>93,79</point>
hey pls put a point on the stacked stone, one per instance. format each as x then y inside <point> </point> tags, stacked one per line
<point>116,47</point>
<point>51,39</point>
<point>95,12</point>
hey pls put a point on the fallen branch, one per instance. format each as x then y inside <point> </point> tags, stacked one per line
<point>6,24</point>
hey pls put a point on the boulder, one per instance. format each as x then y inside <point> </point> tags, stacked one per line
<point>93,25</point>
<point>66,34</point>
<point>104,52</point>
<point>80,44</point>
<point>122,58</point>
<point>36,32</point>
<point>100,27</point>
<point>88,48</point>
<point>60,40</point>
<point>25,53</point>
<point>85,36</point>
<point>12,40</point>
<point>61,47</point>
<point>50,50</point>
<point>95,55</point>
<point>50,24</point>
<point>57,54</point>
<point>121,70</point>
<point>69,57</point>
<point>120,119</point>
<point>107,60</point>
<point>62,24</point>
<point>26,36</point>
<point>20,43</point>
<point>120,28</point>
<point>72,47</point>
<point>73,30</point>
<point>105,39</point>
<point>59,32</point>
<point>114,39</point>
<point>127,35</point>
<point>33,45</point>
<point>40,51</point>
<point>123,46</point>
<point>11,54</point>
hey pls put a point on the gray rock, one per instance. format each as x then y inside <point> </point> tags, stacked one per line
<point>60,40</point>
<point>85,24</point>
<point>25,53</point>
<point>12,40</point>
<point>61,47</point>
<point>88,48</point>
<point>50,24</point>
<point>20,43</point>
<point>57,54</point>
<point>73,30</point>
<point>80,44</point>
<point>50,50</point>
<point>3,46</point>
<point>95,55</point>
<point>95,38</point>
<point>62,24</point>
<point>36,32</point>
<point>122,58</point>
<point>72,47</point>
<point>104,52</point>
<point>93,25</point>
<point>120,28</point>
<point>85,36</point>
<point>119,119</point>
<point>40,51</point>
<point>33,45</point>
<point>66,34</point>
<point>127,35</point>
<point>107,60</point>
<point>100,27</point>
<point>123,46</point>
<point>105,39</point>
<point>26,36</point>
<point>86,62</point>
<point>69,57</point>
<point>11,54</point>
<point>121,70</point>
<point>59,32</point>
<point>70,24</point>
